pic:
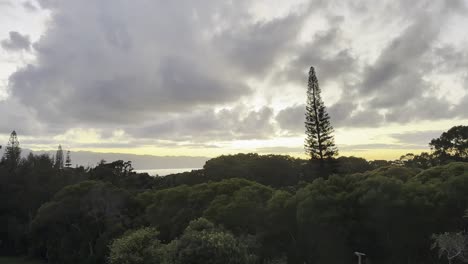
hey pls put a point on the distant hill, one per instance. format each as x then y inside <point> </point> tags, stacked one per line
<point>139,162</point>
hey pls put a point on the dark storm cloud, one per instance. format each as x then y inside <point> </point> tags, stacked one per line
<point>16,42</point>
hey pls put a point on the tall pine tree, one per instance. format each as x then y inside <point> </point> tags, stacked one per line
<point>319,143</point>
<point>12,154</point>
<point>59,158</point>
<point>68,160</point>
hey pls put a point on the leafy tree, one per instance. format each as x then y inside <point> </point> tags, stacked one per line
<point>22,192</point>
<point>139,246</point>
<point>349,165</point>
<point>375,164</point>
<point>121,174</point>
<point>12,154</point>
<point>324,220</point>
<point>171,210</point>
<point>423,160</point>
<point>80,222</point>
<point>451,145</point>
<point>68,161</point>
<point>242,212</point>
<point>59,158</point>
<point>319,143</point>
<point>278,235</point>
<point>203,243</point>
<point>272,170</point>
<point>452,245</point>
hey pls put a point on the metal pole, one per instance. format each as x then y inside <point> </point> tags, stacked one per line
<point>359,255</point>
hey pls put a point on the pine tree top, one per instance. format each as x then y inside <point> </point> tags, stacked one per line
<point>319,143</point>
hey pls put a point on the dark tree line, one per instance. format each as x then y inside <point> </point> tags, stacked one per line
<point>247,208</point>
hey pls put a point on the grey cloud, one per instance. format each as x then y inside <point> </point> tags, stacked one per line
<point>321,52</point>
<point>342,114</point>
<point>18,118</point>
<point>16,42</point>
<point>428,108</point>
<point>419,138</point>
<point>257,124</point>
<point>458,6</point>
<point>396,76</point>
<point>461,109</point>
<point>292,119</point>
<point>226,124</point>
<point>254,48</point>
<point>362,118</point>
<point>123,63</point>
<point>30,6</point>
<point>341,111</point>
<point>6,3</point>
<point>448,59</point>
<point>363,147</point>
<point>396,82</point>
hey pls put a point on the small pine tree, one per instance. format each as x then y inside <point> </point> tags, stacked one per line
<point>12,154</point>
<point>59,158</point>
<point>319,143</point>
<point>68,162</point>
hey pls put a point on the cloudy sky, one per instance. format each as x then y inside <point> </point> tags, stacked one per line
<point>211,77</point>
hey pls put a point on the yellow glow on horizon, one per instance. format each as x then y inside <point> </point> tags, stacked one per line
<point>369,143</point>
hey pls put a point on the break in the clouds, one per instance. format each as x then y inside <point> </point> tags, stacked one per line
<point>203,71</point>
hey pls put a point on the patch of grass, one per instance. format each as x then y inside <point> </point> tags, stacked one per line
<point>12,260</point>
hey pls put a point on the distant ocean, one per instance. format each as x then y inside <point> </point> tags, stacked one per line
<point>164,172</point>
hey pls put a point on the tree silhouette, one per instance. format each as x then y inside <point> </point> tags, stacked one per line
<point>12,154</point>
<point>319,143</point>
<point>59,158</point>
<point>451,145</point>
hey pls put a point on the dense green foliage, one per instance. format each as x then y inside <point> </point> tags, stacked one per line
<point>203,243</point>
<point>140,246</point>
<point>80,222</point>
<point>243,208</point>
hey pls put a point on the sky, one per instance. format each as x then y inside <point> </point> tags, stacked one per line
<point>211,77</point>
